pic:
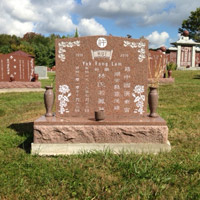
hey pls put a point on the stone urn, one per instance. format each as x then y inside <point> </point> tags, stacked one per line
<point>35,76</point>
<point>49,100</point>
<point>12,78</point>
<point>153,101</point>
<point>169,73</point>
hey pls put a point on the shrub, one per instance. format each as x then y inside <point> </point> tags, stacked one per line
<point>171,66</point>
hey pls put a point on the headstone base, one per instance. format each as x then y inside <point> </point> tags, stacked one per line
<point>69,149</point>
<point>56,136</point>
<point>20,84</point>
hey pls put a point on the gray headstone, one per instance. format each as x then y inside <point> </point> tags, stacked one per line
<point>41,71</point>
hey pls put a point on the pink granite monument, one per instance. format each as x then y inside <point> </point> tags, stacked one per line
<point>17,70</point>
<point>101,99</point>
<point>157,67</point>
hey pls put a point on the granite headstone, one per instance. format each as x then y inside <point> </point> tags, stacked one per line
<point>41,71</point>
<point>18,65</point>
<point>102,77</point>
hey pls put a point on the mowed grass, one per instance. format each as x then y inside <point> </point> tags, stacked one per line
<point>174,175</point>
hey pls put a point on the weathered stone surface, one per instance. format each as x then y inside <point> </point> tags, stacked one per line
<point>99,134</point>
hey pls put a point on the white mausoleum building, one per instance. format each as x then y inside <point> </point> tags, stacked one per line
<point>185,52</point>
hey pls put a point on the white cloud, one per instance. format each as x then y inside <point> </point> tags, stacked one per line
<point>50,16</point>
<point>143,13</point>
<point>157,40</point>
<point>21,10</point>
<point>90,27</point>
<point>21,16</point>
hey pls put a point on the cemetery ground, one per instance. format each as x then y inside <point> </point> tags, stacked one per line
<point>173,175</point>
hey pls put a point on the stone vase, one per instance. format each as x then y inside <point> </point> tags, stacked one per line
<point>36,77</point>
<point>99,115</point>
<point>48,100</point>
<point>169,73</point>
<point>153,101</point>
<point>12,78</point>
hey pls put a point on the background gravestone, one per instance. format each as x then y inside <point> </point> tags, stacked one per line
<point>157,63</point>
<point>101,73</point>
<point>41,71</point>
<point>17,64</point>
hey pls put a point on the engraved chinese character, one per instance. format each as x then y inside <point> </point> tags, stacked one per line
<point>77,109</point>
<point>101,92</point>
<point>101,76</point>
<point>106,69</point>
<point>117,80</point>
<point>127,93</point>
<point>116,94</point>
<point>127,101</point>
<point>116,107</point>
<point>101,101</point>
<point>127,85</point>
<point>101,84</point>
<point>127,69</point>
<point>87,99</point>
<point>116,87</point>
<point>126,110</point>
<point>77,100</point>
<point>117,74</point>
<point>116,100</point>
<point>87,110</point>
<point>126,77</point>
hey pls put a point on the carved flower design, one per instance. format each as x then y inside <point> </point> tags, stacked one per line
<point>139,89</point>
<point>64,98</point>
<point>139,98</point>
<point>64,89</point>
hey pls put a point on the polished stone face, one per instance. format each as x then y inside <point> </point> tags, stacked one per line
<point>101,73</point>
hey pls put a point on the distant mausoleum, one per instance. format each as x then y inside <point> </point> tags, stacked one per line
<point>185,52</point>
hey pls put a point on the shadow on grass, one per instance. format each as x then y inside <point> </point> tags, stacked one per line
<point>196,76</point>
<point>25,130</point>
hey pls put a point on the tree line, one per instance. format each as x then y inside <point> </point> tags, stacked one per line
<point>41,47</point>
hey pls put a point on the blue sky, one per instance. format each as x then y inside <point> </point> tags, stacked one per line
<point>156,20</point>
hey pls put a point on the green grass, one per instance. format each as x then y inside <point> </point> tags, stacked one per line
<point>174,175</point>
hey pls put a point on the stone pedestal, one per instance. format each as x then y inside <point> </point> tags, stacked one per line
<point>19,84</point>
<point>57,136</point>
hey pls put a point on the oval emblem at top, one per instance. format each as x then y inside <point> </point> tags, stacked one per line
<point>101,42</point>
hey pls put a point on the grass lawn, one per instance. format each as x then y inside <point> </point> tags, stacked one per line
<point>174,175</point>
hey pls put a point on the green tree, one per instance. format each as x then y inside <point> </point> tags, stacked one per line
<point>192,24</point>
<point>76,33</point>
